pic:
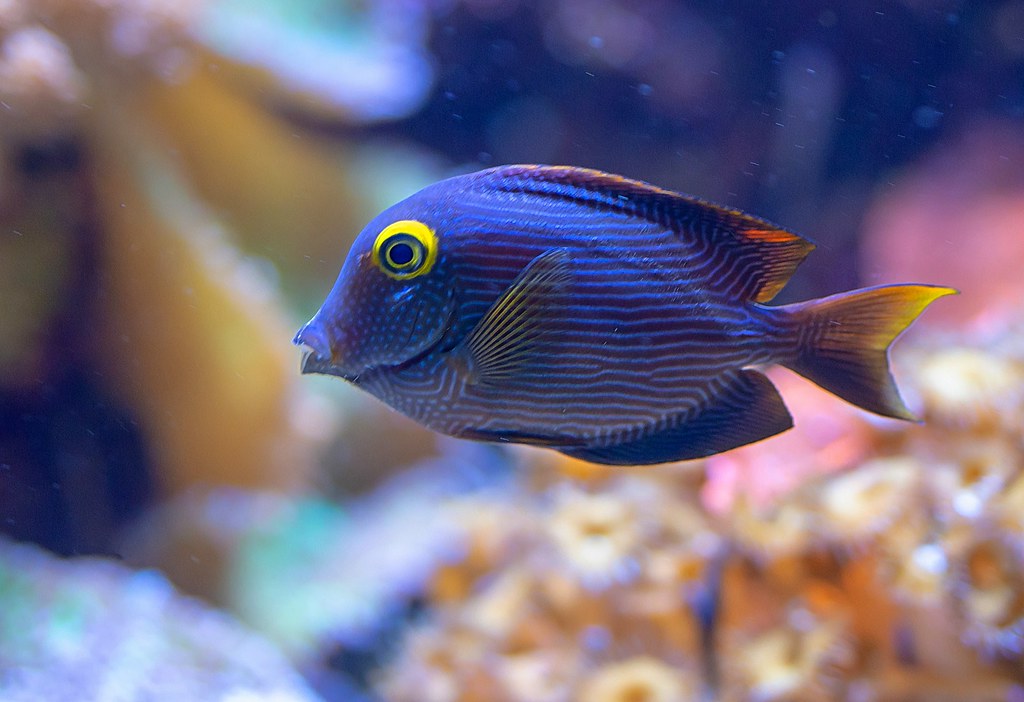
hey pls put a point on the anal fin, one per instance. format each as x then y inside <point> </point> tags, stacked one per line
<point>514,436</point>
<point>746,410</point>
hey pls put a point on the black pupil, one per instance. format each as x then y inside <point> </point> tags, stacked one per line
<point>400,254</point>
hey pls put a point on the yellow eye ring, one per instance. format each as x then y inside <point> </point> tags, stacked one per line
<point>405,249</point>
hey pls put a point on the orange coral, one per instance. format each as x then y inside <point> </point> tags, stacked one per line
<point>641,678</point>
<point>39,83</point>
<point>189,330</point>
<point>898,574</point>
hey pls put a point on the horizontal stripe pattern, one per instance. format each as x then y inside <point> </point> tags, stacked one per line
<point>642,337</point>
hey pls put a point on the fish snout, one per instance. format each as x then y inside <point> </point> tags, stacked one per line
<point>317,357</point>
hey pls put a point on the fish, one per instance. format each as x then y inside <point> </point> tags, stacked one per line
<point>599,316</point>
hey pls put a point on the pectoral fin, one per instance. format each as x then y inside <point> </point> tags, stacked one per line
<point>746,409</point>
<point>505,341</point>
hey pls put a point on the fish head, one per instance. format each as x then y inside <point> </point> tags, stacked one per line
<point>392,302</point>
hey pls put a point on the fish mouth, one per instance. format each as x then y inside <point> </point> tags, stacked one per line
<point>316,355</point>
<point>312,363</point>
<point>317,359</point>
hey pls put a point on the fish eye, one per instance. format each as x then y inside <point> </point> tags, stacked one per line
<point>400,254</point>
<point>405,249</point>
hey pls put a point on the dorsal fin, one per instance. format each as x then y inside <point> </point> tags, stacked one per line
<point>755,258</point>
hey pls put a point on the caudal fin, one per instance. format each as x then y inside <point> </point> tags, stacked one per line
<point>845,339</point>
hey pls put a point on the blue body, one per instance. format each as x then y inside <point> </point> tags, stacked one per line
<point>645,332</point>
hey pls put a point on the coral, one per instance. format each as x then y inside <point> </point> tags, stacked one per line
<point>37,273</point>
<point>154,152</point>
<point>306,187</point>
<point>596,536</point>
<point>351,61</point>
<point>56,54</point>
<point>640,678</point>
<point>91,629</point>
<point>39,82</point>
<point>890,571</point>
<point>112,251</point>
<point>802,660</point>
<point>557,599</point>
<point>969,385</point>
<point>225,348</point>
<point>991,594</point>
<point>1007,513</point>
<point>868,500</point>
<point>129,181</point>
<point>134,264</point>
<point>771,531</point>
<point>125,36</point>
<point>319,578</point>
<point>192,72</point>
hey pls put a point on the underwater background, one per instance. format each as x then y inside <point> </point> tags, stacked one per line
<point>182,516</point>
